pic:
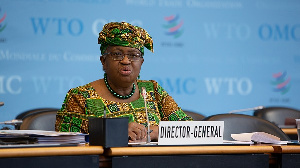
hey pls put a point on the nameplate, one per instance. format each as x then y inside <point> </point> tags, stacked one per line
<point>190,132</point>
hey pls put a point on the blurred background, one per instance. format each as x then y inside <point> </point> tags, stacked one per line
<point>212,56</point>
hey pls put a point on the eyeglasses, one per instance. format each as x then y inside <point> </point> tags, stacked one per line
<point>119,56</point>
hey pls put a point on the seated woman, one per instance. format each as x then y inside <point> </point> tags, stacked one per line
<point>119,92</point>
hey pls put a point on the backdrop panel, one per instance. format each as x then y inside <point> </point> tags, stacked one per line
<point>212,56</point>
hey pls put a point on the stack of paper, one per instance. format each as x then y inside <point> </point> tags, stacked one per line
<point>259,137</point>
<point>41,137</point>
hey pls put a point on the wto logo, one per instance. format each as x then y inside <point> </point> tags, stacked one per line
<point>2,25</point>
<point>174,26</point>
<point>57,26</point>
<point>281,82</point>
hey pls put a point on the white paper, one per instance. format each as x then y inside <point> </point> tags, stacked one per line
<point>190,132</point>
<point>260,137</point>
<point>46,136</point>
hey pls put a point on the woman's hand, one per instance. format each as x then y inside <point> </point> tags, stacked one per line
<point>154,133</point>
<point>136,132</point>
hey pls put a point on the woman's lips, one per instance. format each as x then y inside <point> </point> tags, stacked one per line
<point>125,71</point>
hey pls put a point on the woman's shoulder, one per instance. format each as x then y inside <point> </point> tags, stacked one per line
<point>147,83</point>
<point>82,88</point>
<point>153,84</point>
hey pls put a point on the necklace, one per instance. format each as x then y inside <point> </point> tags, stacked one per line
<point>115,93</point>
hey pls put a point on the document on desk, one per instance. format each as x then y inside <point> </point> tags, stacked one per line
<point>258,137</point>
<point>41,136</point>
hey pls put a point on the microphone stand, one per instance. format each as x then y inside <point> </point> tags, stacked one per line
<point>247,109</point>
<point>144,94</point>
<point>12,122</point>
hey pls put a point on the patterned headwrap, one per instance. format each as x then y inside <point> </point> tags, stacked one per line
<point>124,34</point>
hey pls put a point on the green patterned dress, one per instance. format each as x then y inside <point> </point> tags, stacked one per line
<point>83,102</point>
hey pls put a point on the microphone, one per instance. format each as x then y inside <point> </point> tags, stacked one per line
<point>247,109</point>
<point>1,103</point>
<point>104,112</point>
<point>12,122</point>
<point>144,94</point>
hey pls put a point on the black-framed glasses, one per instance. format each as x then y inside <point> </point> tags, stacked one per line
<point>119,56</point>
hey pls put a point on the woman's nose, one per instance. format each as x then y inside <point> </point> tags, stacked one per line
<point>126,60</point>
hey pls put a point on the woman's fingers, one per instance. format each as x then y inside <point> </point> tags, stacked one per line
<point>136,131</point>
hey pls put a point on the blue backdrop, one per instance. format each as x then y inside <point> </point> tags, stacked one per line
<point>212,56</point>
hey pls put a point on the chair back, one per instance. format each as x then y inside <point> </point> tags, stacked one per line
<point>36,110</point>
<point>194,115</point>
<point>240,123</point>
<point>278,115</point>
<point>38,119</point>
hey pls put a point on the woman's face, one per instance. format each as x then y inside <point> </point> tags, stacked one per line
<point>124,70</point>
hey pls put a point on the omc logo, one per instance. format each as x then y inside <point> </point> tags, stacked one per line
<point>2,24</point>
<point>174,26</point>
<point>281,82</point>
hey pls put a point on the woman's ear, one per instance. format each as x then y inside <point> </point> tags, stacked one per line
<point>102,59</point>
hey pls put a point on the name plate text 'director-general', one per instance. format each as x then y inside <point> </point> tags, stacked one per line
<point>190,132</point>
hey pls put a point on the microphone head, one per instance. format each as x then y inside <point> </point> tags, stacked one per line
<point>15,121</point>
<point>259,107</point>
<point>144,93</point>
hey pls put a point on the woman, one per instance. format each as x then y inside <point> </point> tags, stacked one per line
<point>119,92</point>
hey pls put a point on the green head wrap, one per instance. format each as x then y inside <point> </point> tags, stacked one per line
<point>124,34</point>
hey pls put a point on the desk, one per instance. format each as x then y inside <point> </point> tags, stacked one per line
<point>258,156</point>
<point>51,157</point>
<point>190,156</point>
<point>291,132</point>
<point>290,156</point>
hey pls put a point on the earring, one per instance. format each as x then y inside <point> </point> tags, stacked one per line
<point>139,77</point>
